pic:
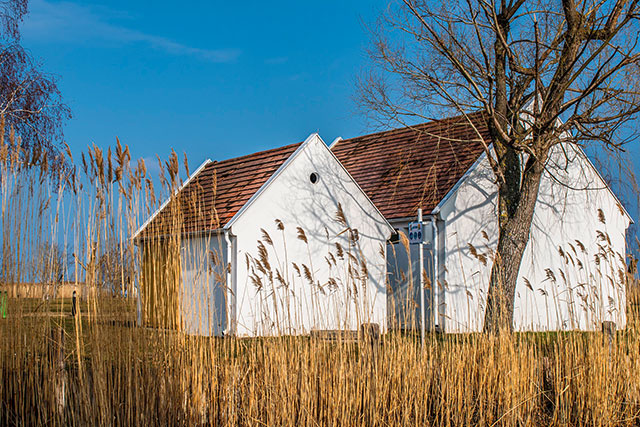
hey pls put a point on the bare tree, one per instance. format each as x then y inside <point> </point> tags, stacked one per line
<point>51,266</point>
<point>115,269</point>
<point>11,14</point>
<point>30,99</point>
<point>542,73</point>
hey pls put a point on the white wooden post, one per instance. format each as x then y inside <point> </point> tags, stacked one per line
<point>436,274</point>
<point>422,308</point>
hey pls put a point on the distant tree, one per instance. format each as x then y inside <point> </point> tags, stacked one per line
<point>29,98</point>
<point>51,266</point>
<point>543,72</point>
<point>115,268</point>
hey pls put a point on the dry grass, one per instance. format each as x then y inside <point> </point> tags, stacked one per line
<point>99,368</point>
<point>126,375</point>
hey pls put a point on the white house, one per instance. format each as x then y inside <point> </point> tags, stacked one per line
<point>573,271</point>
<point>278,242</point>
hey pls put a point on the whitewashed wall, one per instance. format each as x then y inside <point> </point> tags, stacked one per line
<point>344,292</point>
<point>204,297</point>
<point>560,285</point>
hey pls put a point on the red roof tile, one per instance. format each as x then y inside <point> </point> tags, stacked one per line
<point>218,192</point>
<point>404,169</point>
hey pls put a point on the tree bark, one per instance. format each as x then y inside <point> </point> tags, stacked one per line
<point>515,218</point>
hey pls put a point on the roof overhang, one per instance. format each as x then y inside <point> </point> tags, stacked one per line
<point>310,139</point>
<point>272,178</point>
<point>166,202</point>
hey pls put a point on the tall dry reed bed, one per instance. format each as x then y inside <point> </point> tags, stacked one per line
<point>73,224</point>
<point>129,376</point>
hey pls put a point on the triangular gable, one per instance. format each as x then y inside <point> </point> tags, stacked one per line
<point>314,137</point>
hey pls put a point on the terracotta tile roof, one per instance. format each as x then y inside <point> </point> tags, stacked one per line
<point>218,192</point>
<point>403,169</point>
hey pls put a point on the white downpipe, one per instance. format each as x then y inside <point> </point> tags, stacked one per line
<point>436,270</point>
<point>230,291</point>
<point>423,316</point>
<point>436,273</point>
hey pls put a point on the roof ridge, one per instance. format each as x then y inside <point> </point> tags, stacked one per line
<point>268,151</point>
<point>412,127</point>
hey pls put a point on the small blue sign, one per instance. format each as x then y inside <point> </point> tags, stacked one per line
<point>416,234</point>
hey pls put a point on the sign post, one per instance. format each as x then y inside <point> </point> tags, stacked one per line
<point>416,236</point>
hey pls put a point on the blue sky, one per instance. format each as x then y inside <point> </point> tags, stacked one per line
<point>213,79</point>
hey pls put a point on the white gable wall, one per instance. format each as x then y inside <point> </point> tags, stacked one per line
<point>553,292</point>
<point>357,294</point>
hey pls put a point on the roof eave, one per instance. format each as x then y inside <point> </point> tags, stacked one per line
<point>386,221</point>
<point>264,186</point>
<point>166,202</point>
<point>456,186</point>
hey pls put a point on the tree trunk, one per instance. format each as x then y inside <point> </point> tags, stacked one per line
<point>515,218</point>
